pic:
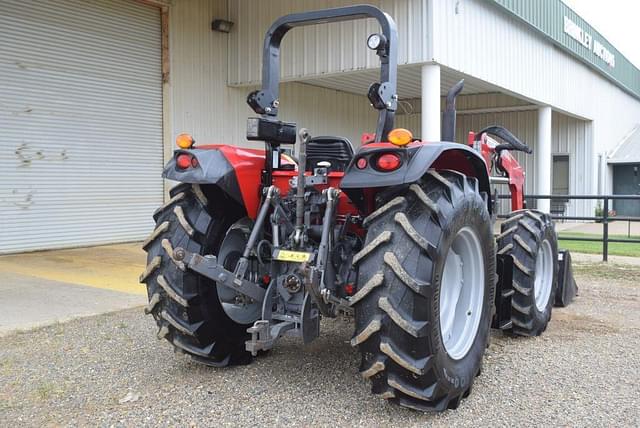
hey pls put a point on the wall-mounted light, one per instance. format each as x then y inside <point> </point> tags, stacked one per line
<point>221,25</point>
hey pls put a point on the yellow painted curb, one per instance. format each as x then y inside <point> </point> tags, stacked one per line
<point>110,267</point>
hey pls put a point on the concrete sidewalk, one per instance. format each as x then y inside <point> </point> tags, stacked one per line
<point>51,286</point>
<point>618,228</point>
<point>615,228</point>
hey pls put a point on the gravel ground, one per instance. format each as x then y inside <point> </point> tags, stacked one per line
<point>109,370</point>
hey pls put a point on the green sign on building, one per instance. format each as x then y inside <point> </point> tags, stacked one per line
<point>569,31</point>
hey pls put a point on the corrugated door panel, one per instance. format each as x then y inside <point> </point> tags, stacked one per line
<point>80,122</point>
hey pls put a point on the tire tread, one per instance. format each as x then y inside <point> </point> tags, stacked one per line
<point>397,371</point>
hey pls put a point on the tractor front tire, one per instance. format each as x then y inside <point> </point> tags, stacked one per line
<point>530,238</point>
<point>425,296</point>
<point>184,304</point>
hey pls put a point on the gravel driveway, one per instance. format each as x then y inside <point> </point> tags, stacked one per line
<point>110,370</point>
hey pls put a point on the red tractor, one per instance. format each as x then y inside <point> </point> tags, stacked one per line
<point>257,244</point>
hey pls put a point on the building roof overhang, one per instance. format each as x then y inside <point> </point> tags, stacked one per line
<point>628,149</point>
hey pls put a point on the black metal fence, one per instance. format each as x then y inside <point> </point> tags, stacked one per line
<point>605,218</point>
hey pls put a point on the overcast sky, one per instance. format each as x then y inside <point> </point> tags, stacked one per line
<point>616,20</point>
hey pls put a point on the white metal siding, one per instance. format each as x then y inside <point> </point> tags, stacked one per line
<point>480,39</point>
<point>319,49</point>
<point>80,121</point>
<point>569,136</point>
<point>469,103</point>
<point>574,137</point>
<point>489,100</point>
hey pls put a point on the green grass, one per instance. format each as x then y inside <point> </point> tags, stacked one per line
<point>6,364</point>
<point>45,391</point>
<point>615,248</point>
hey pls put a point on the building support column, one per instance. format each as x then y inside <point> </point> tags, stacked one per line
<point>543,158</point>
<point>430,116</point>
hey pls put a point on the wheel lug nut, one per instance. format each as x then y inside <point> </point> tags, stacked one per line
<point>179,254</point>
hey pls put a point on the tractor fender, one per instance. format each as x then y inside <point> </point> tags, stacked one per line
<point>235,171</point>
<point>418,158</point>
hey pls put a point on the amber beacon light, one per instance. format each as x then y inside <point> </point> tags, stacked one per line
<point>400,137</point>
<point>184,141</point>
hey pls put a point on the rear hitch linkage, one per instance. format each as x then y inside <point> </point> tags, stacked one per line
<point>318,300</point>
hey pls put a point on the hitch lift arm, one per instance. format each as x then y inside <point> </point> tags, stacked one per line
<point>208,266</point>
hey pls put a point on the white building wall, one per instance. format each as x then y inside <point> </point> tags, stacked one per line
<point>479,39</point>
<point>488,100</point>
<point>320,49</point>
<point>202,104</point>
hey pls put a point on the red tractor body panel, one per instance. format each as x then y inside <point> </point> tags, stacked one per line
<point>248,165</point>
<point>516,179</point>
<point>507,163</point>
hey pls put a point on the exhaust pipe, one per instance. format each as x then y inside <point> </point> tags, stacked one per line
<point>449,115</point>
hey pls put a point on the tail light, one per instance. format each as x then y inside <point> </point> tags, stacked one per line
<point>185,160</point>
<point>349,289</point>
<point>388,162</point>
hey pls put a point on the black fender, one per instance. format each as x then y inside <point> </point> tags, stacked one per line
<point>416,161</point>
<point>212,168</point>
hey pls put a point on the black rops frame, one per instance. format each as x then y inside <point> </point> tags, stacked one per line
<point>382,95</point>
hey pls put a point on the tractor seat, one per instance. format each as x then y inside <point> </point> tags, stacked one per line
<point>337,150</point>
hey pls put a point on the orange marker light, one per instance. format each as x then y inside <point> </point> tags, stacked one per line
<point>400,137</point>
<point>184,141</point>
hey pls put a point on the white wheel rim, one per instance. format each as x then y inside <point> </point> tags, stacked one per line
<point>233,303</point>
<point>544,275</point>
<point>461,293</point>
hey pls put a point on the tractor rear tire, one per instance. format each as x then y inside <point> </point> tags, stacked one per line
<point>184,304</point>
<point>399,311</point>
<point>529,236</point>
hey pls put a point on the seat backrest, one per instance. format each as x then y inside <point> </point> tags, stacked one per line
<point>336,150</point>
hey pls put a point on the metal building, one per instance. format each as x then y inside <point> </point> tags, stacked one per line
<point>92,95</point>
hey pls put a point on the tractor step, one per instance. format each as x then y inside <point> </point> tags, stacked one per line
<point>567,288</point>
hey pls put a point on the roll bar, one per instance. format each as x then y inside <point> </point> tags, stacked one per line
<point>382,95</point>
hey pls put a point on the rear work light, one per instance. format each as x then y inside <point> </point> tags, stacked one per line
<point>388,162</point>
<point>185,160</point>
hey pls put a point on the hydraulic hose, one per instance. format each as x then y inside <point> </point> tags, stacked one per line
<point>302,166</point>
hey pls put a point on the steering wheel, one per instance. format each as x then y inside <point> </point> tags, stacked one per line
<point>511,141</point>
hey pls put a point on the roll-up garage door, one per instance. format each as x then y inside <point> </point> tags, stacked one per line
<point>80,122</point>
